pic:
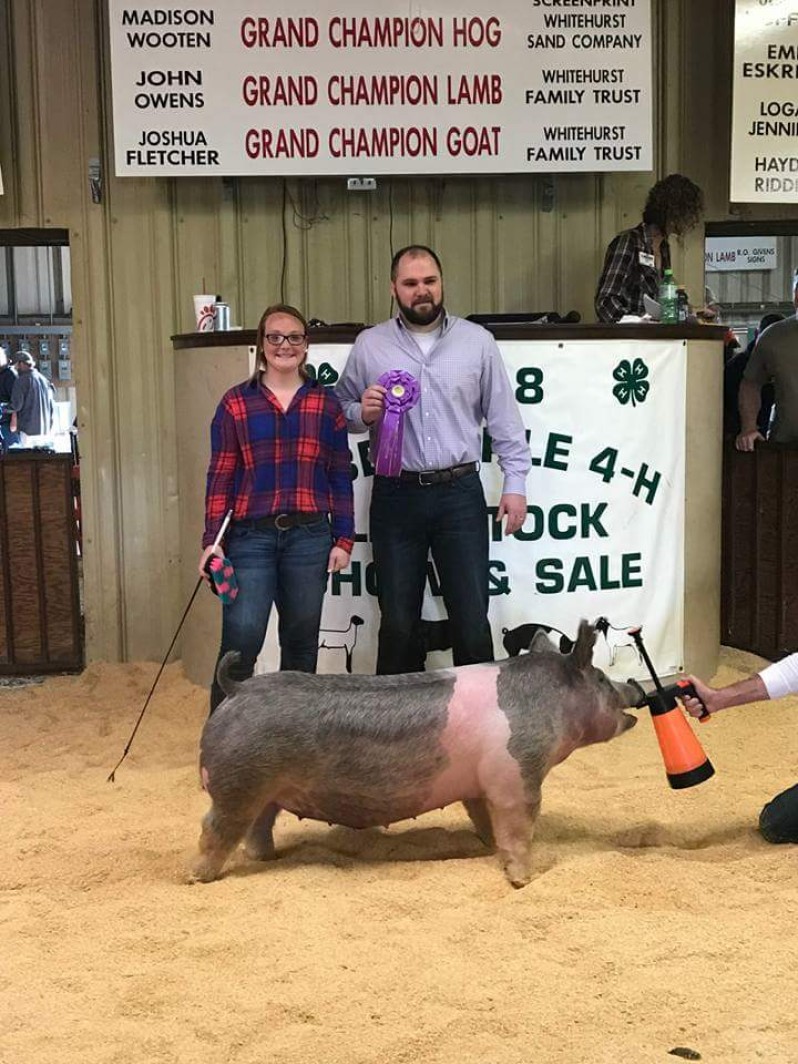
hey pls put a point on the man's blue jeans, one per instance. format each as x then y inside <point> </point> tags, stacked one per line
<point>285,568</point>
<point>407,521</point>
<point>7,437</point>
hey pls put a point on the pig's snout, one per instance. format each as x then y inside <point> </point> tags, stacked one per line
<point>641,695</point>
<point>627,722</point>
<point>632,696</point>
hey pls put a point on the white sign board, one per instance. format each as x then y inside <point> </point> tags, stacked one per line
<point>347,87</point>
<point>764,155</point>
<point>740,253</point>
<point>604,531</point>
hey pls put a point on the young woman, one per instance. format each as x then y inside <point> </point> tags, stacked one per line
<point>280,461</point>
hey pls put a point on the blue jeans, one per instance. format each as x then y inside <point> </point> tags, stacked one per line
<point>289,569</point>
<point>408,521</point>
<point>7,437</point>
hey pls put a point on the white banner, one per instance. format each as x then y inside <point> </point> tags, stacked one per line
<point>604,531</point>
<point>764,155</point>
<point>740,253</point>
<point>515,86</point>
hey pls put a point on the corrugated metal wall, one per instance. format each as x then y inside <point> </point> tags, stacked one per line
<point>507,244</point>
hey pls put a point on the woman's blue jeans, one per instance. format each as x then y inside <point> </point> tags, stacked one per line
<point>285,568</point>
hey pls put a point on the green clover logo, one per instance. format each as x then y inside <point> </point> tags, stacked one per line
<point>633,384</point>
<point>326,375</point>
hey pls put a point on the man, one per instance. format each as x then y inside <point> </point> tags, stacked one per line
<point>775,358</point>
<point>637,258</point>
<point>8,376</point>
<point>778,821</point>
<point>32,404</point>
<point>436,503</point>
<point>733,369</point>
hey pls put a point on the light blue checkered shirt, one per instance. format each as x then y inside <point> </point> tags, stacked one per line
<point>463,384</point>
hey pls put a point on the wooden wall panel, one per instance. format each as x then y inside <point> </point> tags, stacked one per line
<point>41,630</point>
<point>759,590</point>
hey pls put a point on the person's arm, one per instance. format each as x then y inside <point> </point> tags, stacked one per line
<point>774,681</point>
<point>351,386</point>
<point>613,298</point>
<point>18,393</point>
<point>220,482</point>
<point>781,678</point>
<point>751,689</point>
<point>749,400</point>
<point>508,436</point>
<point>339,474</point>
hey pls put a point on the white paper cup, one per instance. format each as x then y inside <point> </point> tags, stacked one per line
<point>203,310</point>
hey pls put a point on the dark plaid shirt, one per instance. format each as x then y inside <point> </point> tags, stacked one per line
<point>625,279</point>
<point>8,377</point>
<point>265,460</point>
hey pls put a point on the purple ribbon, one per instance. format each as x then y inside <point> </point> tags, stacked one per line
<point>401,395</point>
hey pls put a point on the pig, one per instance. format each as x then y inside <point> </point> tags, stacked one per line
<point>370,750</point>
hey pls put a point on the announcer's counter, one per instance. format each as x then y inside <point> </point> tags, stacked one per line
<point>624,496</point>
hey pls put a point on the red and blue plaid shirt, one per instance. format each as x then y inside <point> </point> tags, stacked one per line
<point>266,460</point>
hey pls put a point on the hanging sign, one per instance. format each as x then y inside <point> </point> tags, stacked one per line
<point>740,253</point>
<point>347,88</point>
<point>764,155</point>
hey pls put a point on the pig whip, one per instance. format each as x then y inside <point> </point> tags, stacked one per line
<point>112,776</point>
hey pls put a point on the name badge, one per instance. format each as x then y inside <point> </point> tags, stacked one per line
<point>645,259</point>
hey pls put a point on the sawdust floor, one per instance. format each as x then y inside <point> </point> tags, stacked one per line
<point>656,919</point>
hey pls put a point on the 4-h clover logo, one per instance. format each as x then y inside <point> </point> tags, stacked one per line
<point>326,375</point>
<point>633,386</point>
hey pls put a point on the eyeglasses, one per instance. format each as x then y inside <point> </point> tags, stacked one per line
<point>294,339</point>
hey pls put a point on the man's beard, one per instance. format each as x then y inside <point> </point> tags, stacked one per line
<point>421,313</point>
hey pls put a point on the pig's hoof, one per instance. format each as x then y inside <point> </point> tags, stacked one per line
<point>518,877</point>
<point>203,872</point>
<point>260,851</point>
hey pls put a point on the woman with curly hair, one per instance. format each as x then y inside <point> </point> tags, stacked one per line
<point>637,258</point>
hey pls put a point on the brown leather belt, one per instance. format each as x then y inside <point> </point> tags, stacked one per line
<point>438,476</point>
<point>282,522</point>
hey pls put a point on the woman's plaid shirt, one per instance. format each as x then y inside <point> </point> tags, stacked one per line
<point>265,460</point>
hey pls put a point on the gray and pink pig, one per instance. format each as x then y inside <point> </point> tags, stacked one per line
<point>370,750</point>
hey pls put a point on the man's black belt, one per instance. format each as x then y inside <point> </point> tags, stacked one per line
<point>282,522</point>
<point>438,476</point>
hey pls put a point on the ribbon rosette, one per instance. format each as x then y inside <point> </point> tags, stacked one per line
<point>401,395</point>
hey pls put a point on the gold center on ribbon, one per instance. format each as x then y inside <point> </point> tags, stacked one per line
<point>398,390</point>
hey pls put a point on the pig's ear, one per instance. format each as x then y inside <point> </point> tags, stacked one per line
<point>541,644</point>
<point>582,654</point>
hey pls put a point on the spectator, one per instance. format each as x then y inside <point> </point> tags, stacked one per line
<point>8,377</point>
<point>32,404</point>
<point>774,358</point>
<point>732,376</point>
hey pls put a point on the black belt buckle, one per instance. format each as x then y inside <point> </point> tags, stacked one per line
<point>283,522</point>
<point>434,475</point>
